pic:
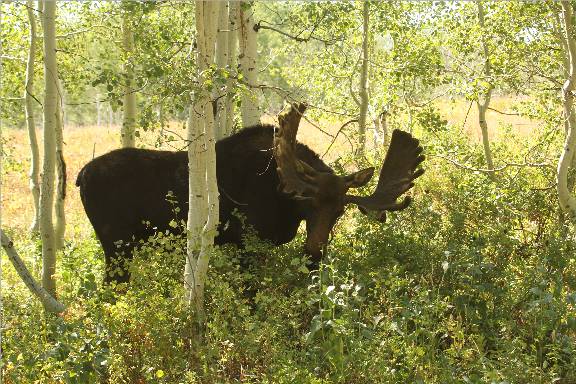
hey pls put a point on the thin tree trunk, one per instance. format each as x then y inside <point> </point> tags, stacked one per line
<point>48,301</point>
<point>221,62</point>
<point>483,105</point>
<point>567,200</point>
<point>60,226</point>
<point>197,200</point>
<point>383,122</point>
<point>247,65</point>
<point>364,79</point>
<point>48,168</point>
<point>565,58</point>
<point>129,121</point>
<point>203,189</point>
<point>557,28</point>
<point>233,15</point>
<point>30,121</point>
<point>1,163</point>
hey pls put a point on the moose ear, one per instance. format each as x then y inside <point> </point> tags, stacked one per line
<point>359,178</point>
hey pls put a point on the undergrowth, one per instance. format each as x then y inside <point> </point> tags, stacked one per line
<point>474,283</point>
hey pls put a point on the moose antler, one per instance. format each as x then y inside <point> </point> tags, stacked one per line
<point>396,177</point>
<point>297,177</point>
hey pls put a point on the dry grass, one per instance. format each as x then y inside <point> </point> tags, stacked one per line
<point>83,143</point>
<point>465,115</point>
<point>80,143</point>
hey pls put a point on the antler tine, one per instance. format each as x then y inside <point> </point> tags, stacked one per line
<point>297,177</point>
<point>397,176</point>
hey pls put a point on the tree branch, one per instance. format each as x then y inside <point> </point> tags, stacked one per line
<point>503,113</point>
<point>50,303</point>
<point>336,136</point>
<point>299,39</point>
<point>489,171</point>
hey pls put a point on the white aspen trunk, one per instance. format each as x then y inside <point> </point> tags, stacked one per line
<point>1,159</point>
<point>557,28</point>
<point>383,125</point>
<point>567,200</point>
<point>233,14</point>
<point>203,189</point>
<point>128,131</point>
<point>60,226</point>
<point>48,301</point>
<point>30,121</point>
<point>48,167</point>
<point>221,62</point>
<point>410,117</point>
<point>483,105</point>
<point>485,139</point>
<point>247,64</point>
<point>197,199</point>
<point>364,79</point>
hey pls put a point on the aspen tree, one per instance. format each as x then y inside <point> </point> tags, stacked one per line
<point>247,63</point>
<point>1,159</point>
<point>364,77</point>
<point>485,103</point>
<point>60,225</point>
<point>203,189</point>
<point>45,297</point>
<point>567,200</point>
<point>128,133</point>
<point>233,14</point>
<point>31,121</point>
<point>48,167</point>
<point>222,41</point>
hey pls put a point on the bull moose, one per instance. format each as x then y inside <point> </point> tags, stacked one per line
<point>263,173</point>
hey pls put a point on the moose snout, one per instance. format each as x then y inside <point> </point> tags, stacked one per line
<point>314,248</point>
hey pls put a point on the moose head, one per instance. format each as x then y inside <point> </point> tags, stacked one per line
<point>324,195</point>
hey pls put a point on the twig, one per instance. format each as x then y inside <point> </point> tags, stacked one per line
<point>489,171</point>
<point>34,97</point>
<point>503,113</point>
<point>336,136</point>
<point>318,127</point>
<point>299,39</point>
<point>110,98</point>
<point>80,31</point>
<point>259,26</point>
<point>466,117</point>
<point>8,57</point>
<point>286,94</point>
<point>175,133</point>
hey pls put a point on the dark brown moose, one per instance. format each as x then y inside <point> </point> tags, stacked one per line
<point>266,179</point>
